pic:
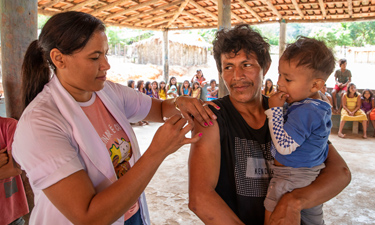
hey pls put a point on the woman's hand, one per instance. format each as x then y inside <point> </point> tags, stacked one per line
<point>192,107</point>
<point>3,157</point>
<point>171,136</point>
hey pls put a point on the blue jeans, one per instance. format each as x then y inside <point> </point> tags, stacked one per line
<point>136,219</point>
<point>19,221</point>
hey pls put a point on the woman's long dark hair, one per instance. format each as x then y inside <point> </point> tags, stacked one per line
<point>266,87</point>
<point>67,32</point>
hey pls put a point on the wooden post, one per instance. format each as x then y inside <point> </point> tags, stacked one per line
<point>165,56</point>
<point>19,27</point>
<point>224,22</point>
<point>282,38</point>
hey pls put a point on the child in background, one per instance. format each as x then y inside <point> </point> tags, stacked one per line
<point>172,88</point>
<point>328,95</point>
<point>199,78</point>
<point>148,89</point>
<point>162,90</point>
<point>185,88</point>
<point>212,91</point>
<point>131,84</point>
<point>351,110</point>
<point>141,86</point>
<point>155,91</point>
<point>300,139</point>
<point>196,90</point>
<point>367,105</point>
<point>268,89</point>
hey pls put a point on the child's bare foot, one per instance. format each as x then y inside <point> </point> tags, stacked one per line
<point>341,135</point>
<point>364,137</point>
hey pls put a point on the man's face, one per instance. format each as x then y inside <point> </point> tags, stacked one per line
<point>242,75</point>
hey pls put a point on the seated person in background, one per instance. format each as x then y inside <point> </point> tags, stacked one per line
<point>148,89</point>
<point>212,91</point>
<point>368,105</point>
<point>328,95</point>
<point>268,89</point>
<point>300,142</point>
<point>172,85</point>
<point>343,77</point>
<point>155,91</point>
<point>131,84</point>
<point>351,110</point>
<point>196,90</point>
<point>199,78</point>
<point>13,203</point>
<point>185,88</point>
<point>162,90</point>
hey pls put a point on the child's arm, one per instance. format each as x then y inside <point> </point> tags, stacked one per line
<point>343,103</point>
<point>283,143</point>
<point>359,103</point>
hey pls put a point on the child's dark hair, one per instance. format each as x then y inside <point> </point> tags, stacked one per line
<point>170,81</point>
<point>195,82</point>
<point>164,88</point>
<point>154,82</point>
<point>213,80</point>
<point>348,90</point>
<point>139,83</point>
<point>241,37</point>
<point>371,95</point>
<point>342,61</point>
<point>130,83</point>
<point>68,32</point>
<point>148,86</point>
<point>312,54</point>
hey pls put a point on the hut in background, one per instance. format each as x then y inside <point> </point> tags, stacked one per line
<point>184,50</point>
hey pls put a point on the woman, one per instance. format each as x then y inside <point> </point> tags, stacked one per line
<point>74,138</point>
<point>268,89</point>
<point>351,110</point>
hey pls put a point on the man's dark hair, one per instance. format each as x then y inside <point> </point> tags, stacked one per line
<point>241,37</point>
<point>312,54</point>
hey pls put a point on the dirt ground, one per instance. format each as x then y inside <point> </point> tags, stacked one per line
<point>167,193</point>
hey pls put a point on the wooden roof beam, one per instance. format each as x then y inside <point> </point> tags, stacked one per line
<point>48,5</point>
<point>47,12</point>
<point>131,9</point>
<point>109,6</point>
<point>201,8</point>
<point>154,10</point>
<point>248,8</point>
<point>195,18</point>
<point>296,6</point>
<point>156,17</point>
<point>274,10</point>
<point>350,8</point>
<point>130,26</point>
<point>237,17</point>
<point>322,8</point>
<point>184,22</point>
<point>80,5</point>
<point>178,13</point>
<point>157,22</point>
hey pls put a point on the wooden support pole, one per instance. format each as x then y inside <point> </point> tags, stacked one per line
<point>165,56</point>
<point>19,27</point>
<point>282,38</point>
<point>224,18</point>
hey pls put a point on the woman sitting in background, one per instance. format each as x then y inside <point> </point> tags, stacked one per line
<point>268,89</point>
<point>351,110</point>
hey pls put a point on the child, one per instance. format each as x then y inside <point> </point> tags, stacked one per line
<point>140,86</point>
<point>351,104</point>
<point>148,89</point>
<point>343,77</point>
<point>199,78</point>
<point>299,144</point>
<point>154,88</point>
<point>268,89</point>
<point>328,95</point>
<point>185,88</point>
<point>162,90</point>
<point>196,90</point>
<point>212,91</point>
<point>131,84</point>
<point>172,88</point>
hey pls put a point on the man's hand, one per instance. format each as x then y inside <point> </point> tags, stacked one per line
<point>278,99</point>
<point>287,211</point>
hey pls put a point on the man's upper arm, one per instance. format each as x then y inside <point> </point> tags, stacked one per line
<point>204,160</point>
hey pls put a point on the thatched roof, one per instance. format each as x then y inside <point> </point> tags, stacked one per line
<point>192,14</point>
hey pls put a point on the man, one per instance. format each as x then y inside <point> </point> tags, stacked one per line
<point>229,167</point>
